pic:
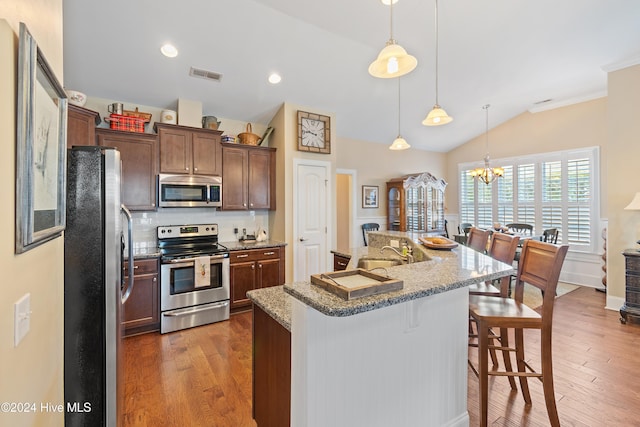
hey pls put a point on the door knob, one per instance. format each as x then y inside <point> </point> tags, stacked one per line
<point>302,239</point>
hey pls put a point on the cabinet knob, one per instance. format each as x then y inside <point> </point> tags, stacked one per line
<point>259,265</point>
<point>195,169</point>
<point>244,205</point>
<point>155,279</point>
<point>251,204</point>
<point>253,267</point>
<point>186,169</point>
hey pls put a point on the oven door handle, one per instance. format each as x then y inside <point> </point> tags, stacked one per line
<point>190,261</point>
<point>182,312</point>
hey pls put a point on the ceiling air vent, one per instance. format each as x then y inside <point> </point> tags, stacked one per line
<point>205,74</point>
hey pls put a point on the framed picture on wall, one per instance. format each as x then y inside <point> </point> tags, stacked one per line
<point>370,196</point>
<point>40,148</point>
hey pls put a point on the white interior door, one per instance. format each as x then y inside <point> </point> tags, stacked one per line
<point>311,207</point>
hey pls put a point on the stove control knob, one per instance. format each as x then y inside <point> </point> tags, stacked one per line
<point>161,231</point>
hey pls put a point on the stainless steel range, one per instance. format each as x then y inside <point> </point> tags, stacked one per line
<point>194,276</point>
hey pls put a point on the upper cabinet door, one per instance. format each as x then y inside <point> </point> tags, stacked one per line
<point>175,151</point>
<point>139,156</point>
<point>234,178</point>
<point>207,154</point>
<point>259,190</point>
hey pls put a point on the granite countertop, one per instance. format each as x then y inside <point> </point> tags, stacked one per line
<point>239,246</point>
<point>440,271</point>
<point>275,302</point>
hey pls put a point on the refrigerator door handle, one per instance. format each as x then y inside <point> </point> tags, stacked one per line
<point>130,246</point>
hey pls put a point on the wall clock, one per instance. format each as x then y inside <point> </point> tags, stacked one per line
<point>314,133</point>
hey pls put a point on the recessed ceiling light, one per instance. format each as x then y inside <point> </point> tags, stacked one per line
<point>388,2</point>
<point>275,78</point>
<point>169,50</point>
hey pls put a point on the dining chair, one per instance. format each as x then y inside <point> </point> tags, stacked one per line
<point>370,226</point>
<point>539,266</point>
<point>478,239</point>
<point>550,235</point>
<point>520,228</point>
<point>463,228</point>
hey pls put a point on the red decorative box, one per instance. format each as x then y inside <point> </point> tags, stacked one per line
<point>130,124</point>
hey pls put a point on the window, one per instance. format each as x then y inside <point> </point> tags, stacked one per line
<point>550,190</point>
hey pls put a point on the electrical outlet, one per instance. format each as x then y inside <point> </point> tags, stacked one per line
<point>235,230</point>
<point>21,318</point>
<point>394,243</point>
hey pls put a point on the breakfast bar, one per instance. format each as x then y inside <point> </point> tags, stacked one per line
<point>397,358</point>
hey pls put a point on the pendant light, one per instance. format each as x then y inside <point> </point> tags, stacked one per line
<point>487,174</point>
<point>399,143</point>
<point>393,60</point>
<point>437,116</point>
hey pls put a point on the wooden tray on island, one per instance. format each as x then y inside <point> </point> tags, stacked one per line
<point>358,283</point>
<point>438,242</point>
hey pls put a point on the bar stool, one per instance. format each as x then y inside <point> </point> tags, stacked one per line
<point>540,266</point>
<point>502,248</point>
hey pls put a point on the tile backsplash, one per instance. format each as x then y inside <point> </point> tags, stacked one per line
<point>145,223</point>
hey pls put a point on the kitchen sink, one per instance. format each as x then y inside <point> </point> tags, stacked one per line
<point>369,263</point>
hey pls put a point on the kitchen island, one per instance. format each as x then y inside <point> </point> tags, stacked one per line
<point>397,358</point>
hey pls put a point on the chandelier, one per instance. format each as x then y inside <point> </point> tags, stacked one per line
<point>487,174</point>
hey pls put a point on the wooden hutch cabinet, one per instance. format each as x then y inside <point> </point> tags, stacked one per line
<point>190,151</point>
<point>416,203</point>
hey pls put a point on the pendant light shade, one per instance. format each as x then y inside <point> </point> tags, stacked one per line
<point>487,174</point>
<point>437,116</point>
<point>393,60</point>
<point>399,143</point>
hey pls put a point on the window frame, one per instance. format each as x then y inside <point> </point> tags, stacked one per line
<point>591,153</point>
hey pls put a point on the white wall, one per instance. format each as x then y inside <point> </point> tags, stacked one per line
<point>33,371</point>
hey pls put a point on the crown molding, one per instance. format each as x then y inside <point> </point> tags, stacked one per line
<point>566,102</point>
<point>615,66</point>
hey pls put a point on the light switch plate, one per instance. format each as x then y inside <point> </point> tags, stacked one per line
<point>394,243</point>
<point>21,318</point>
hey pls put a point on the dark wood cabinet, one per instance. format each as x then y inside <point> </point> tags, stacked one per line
<point>248,177</point>
<point>81,126</point>
<point>254,269</point>
<point>141,310</point>
<point>340,262</point>
<point>631,308</point>
<point>271,371</point>
<point>139,156</point>
<point>191,151</point>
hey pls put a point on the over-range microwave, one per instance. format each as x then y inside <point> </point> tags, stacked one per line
<point>189,191</point>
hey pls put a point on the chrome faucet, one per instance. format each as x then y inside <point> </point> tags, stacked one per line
<point>408,257</point>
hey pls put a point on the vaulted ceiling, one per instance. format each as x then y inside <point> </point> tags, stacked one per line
<point>510,54</point>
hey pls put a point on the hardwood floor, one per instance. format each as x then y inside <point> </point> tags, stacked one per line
<point>202,376</point>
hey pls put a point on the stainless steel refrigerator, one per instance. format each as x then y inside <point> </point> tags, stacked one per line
<point>93,294</point>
